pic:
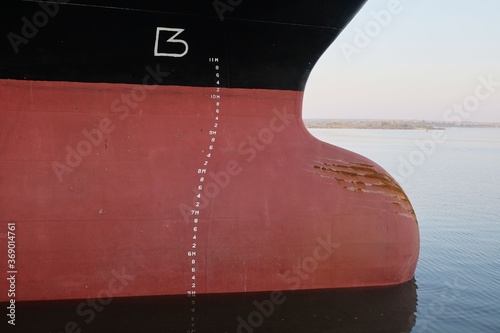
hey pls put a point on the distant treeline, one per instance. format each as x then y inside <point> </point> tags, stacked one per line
<point>391,124</point>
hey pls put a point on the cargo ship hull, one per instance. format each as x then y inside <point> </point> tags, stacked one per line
<point>156,185</point>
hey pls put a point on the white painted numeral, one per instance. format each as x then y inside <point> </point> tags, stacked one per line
<point>170,40</point>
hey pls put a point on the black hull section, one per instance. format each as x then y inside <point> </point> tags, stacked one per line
<point>263,45</point>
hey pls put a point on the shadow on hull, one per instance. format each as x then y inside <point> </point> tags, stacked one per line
<point>386,309</point>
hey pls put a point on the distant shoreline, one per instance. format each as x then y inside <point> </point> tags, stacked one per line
<point>392,124</point>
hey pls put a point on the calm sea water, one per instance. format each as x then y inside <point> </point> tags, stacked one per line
<point>454,186</point>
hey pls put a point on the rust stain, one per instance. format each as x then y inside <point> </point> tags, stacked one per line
<point>364,178</point>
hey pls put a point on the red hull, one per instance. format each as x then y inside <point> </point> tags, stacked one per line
<point>279,210</point>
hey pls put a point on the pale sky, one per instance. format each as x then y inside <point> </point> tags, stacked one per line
<point>425,61</point>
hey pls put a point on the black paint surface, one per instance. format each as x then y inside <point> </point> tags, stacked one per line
<point>260,43</point>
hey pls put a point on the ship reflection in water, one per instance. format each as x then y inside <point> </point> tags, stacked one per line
<point>383,309</point>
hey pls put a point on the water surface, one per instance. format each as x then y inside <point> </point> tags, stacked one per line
<point>454,186</point>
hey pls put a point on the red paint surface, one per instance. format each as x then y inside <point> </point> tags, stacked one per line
<point>279,196</point>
